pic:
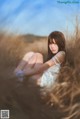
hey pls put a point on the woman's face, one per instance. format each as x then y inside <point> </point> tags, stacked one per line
<point>54,47</point>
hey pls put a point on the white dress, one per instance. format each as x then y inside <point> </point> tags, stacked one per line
<point>50,75</point>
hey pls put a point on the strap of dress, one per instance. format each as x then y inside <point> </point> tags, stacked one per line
<point>58,57</point>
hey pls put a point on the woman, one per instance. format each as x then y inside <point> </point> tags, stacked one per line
<point>46,73</point>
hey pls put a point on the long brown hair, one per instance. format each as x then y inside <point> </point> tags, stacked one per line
<point>60,41</point>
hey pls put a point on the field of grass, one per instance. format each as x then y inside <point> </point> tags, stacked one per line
<point>24,100</point>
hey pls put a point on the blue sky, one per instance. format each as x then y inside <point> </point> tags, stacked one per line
<point>39,17</point>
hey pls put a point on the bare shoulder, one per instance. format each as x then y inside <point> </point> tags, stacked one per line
<point>61,53</point>
<point>59,57</point>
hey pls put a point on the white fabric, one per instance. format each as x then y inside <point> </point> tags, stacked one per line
<point>50,75</point>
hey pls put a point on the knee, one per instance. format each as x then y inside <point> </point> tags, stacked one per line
<point>39,55</point>
<point>28,55</point>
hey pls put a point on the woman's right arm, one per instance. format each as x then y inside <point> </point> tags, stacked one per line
<point>41,69</point>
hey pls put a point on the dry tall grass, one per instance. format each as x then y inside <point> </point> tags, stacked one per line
<point>65,95</point>
<point>24,99</point>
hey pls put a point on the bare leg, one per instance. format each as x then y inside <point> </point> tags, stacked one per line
<point>37,61</point>
<point>34,62</point>
<point>24,61</point>
<point>31,62</point>
<point>18,71</point>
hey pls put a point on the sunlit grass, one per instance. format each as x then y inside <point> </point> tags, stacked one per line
<point>24,100</point>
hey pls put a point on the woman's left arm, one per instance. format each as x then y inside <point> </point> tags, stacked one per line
<point>41,69</point>
<point>58,58</point>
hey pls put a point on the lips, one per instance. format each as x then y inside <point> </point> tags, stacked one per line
<point>53,50</point>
